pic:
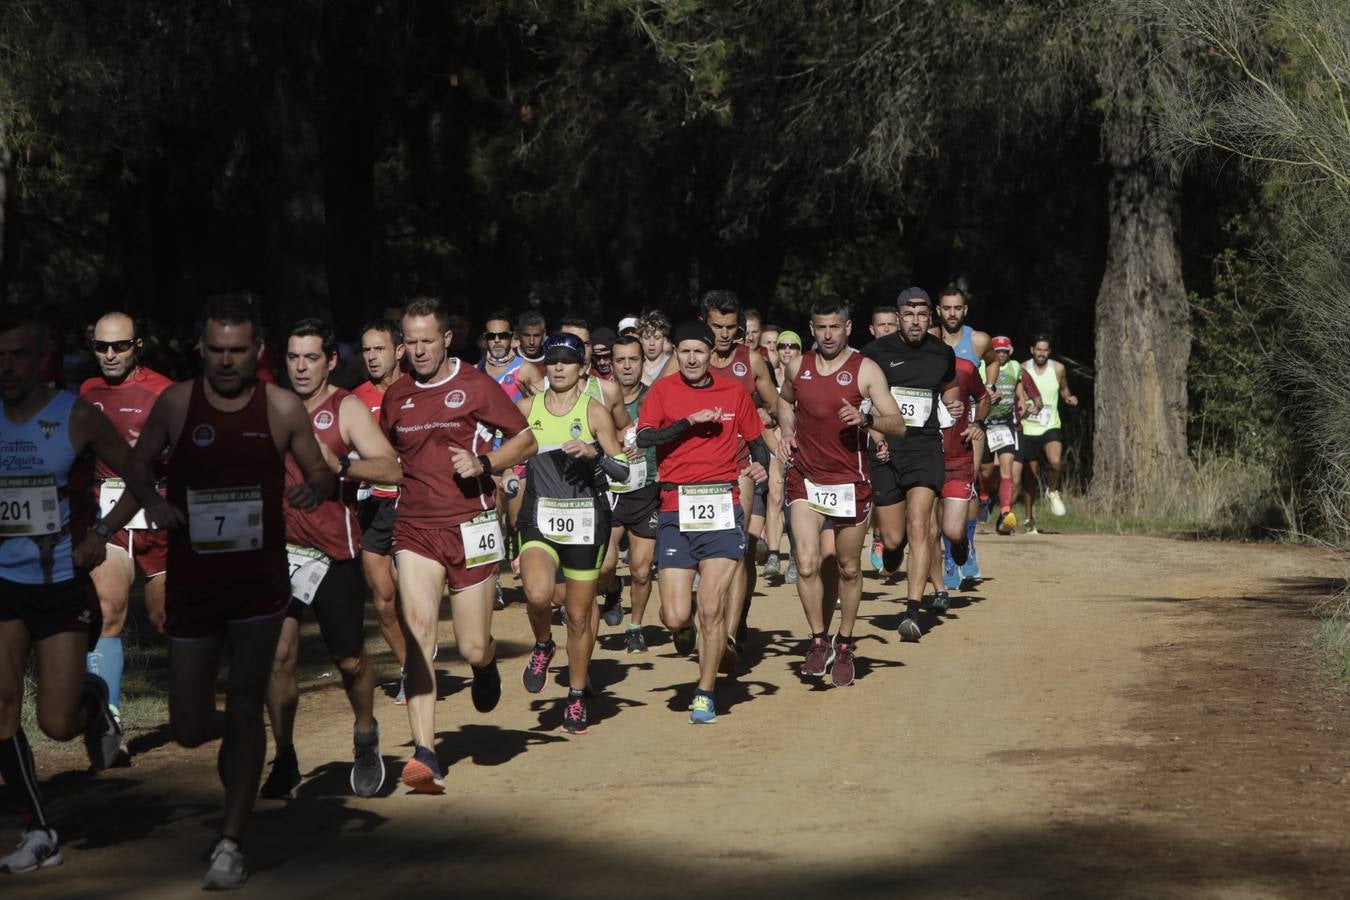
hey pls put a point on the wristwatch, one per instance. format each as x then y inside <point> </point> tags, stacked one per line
<point>344,463</point>
<point>485,463</point>
<point>101,529</point>
<point>868,420</point>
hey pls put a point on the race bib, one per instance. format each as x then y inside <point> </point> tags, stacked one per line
<point>945,418</point>
<point>109,492</point>
<point>225,520</point>
<point>1043,416</point>
<point>706,507</point>
<point>999,436</point>
<point>831,499</point>
<point>567,521</point>
<point>482,537</point>
<point>29,506</point>
<point>637,475</point>
<point>308,568</point>
<point>916,405</point>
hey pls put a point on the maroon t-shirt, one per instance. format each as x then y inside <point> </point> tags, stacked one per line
<point>332,525</point>
<point>828,451</point>
<point>972,392</point>
<point>426,422</point>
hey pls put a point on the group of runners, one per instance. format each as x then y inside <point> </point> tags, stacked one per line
<point>246,506</point>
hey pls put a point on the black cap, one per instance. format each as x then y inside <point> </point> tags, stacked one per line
<point>693,330</point>
<point>913,296</point>
<point>603,337</point>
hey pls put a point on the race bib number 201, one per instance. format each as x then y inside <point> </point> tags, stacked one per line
<point>706,507</point>
<point>29,506</point>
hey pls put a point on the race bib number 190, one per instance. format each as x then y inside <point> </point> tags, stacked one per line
<point>29,506</point>
<point>706,507</point>
<point>567,521</point>
<point>482,536</point>
<point>225,520</point>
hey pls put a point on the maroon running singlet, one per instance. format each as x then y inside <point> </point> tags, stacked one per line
<point>331,526</point>
<point>229,563</point>
<point>830,455</point>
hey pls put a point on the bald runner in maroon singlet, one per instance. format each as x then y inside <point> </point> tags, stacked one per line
<point>442,422</point>
<point>228,435</point>
<point>822,415</point>
<point>125,391</point>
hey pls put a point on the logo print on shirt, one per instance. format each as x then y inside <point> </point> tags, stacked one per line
<point>455,399</point>
<point>324,420</point>
<point>740,369</point>
<point>407,404</point>
<point>48,428</point>
<point>203,435</point>
<point>897,362</point>
<point>844,379</point>
<point>575,430</point>
<point>806,375</point>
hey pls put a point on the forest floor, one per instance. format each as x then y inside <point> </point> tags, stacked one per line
<point>1104,715</point>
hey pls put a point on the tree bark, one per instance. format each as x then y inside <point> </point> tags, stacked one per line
<point>1143,336</point>
<point>6,157</point>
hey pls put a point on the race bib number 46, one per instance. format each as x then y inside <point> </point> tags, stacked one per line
<point>226,520</point>
<point>29,506</point>
<point>835,500</point>
<point>706,507</point>
<point>482,536</point>
<point>308,568</point>
<point>567,521</point>
<point>916,405</point>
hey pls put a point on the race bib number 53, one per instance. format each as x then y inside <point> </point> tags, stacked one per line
<point>916,405</point>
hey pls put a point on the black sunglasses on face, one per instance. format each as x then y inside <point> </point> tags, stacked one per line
<point>119,346</point>
<point>497,335</point>
<point>789,346</point>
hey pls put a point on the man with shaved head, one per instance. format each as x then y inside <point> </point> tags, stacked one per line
<point>125,391</point>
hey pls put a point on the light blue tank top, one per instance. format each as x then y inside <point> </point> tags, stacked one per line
<point>965,348</point>
<point>35,462</point>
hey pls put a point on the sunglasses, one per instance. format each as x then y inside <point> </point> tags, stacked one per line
<point>119,346</point>
<point>497,335</point>
<point>789,346</point>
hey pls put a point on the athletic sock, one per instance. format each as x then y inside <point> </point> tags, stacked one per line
<point>958,550</point>
<point>106,662</point>
<point>573,693</point>
<point>633,626</point>
<point>1005,494</point>
<point>891,559</point>
<point>970,532</point>
<point>912,607</point>
<point>16,767</point>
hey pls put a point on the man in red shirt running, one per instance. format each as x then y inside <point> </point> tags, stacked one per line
<point>820,412</point>
<point>228,436</point>
<point>694,420</point>
<point>959,438</point>
<point>441,423</point>
<point>382,353</point>
<point>125,391</point>
<point>323,547</point>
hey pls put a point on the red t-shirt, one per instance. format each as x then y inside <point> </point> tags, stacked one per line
<point>828,451</point>
<point>426,422</point>
<point>373,397</point>
<point>972,392</point>
<point>127,405</point>
<point>706,453</point>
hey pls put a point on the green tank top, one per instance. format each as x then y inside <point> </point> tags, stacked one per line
<point>1047,382</point>
<point>594,391</point>
<point>1009,374</point>
<point>551,472</point>
<point>646,458</point>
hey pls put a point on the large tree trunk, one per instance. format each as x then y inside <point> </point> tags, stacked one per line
<point>1143,325</point>
<point>6,157</point>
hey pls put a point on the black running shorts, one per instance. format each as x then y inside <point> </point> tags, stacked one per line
<point>1033,445</point>
<point>47,610</point>
<point>339,607</point>
<point>637,511</point>
<point>377,515</point>
<point>916,463</point>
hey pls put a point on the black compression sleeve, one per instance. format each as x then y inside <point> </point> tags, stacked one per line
<point>614,469</point>
<point>759,451</point>
<point>655,437</point>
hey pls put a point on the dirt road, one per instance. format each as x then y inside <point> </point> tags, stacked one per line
<point>1118,716</point>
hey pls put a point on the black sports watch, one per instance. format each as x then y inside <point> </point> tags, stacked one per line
<point>868,420</point>
<point>101,529</point>
<point>344,463</point>
<point>485,463</point>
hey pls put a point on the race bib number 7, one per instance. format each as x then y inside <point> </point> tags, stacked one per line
<point>916,405</point>
<point>29,506</point>
<point>226,520</point>
<point>706,507</point>
<point>482,537</point>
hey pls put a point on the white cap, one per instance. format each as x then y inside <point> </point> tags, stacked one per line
<point>630,322</point>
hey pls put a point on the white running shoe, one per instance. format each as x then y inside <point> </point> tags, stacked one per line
<point>38,849</point>
<point>227,867</point>
<point>1056,504</point>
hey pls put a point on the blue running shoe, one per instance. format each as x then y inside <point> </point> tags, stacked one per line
<point>877,560</point>
<point>971,570</point>
<point>702,711</point>
<point>951,573</point>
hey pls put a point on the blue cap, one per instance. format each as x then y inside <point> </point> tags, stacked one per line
<point>566,347</point>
